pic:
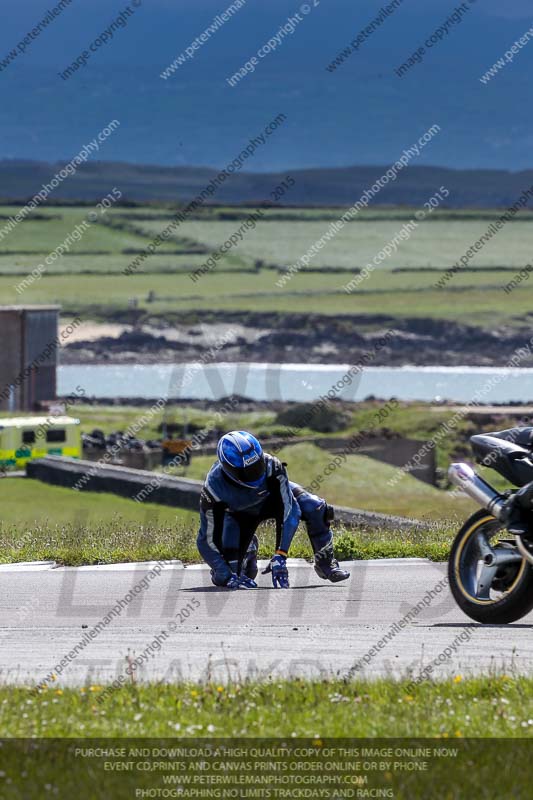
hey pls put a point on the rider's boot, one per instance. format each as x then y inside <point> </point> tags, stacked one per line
<point>327,566</point>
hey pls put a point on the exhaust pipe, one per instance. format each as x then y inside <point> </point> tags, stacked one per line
<point>463,476</point>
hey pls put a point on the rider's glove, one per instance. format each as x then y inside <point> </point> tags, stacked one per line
<point>280,574</point>
<point>238,582</point>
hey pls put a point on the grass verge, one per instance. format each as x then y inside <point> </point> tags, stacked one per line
<point>75,545</point>
<point>42,522</point>
<point>497,706</point>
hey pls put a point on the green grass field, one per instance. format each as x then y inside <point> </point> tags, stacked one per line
<point>436,243</point>
<point>245,279</point>
<point>30,501</point>
<point>86,528</point>
<point>499,706</point>
<point>174,739</point>
<point>98,296</point>
<point>42,522</point>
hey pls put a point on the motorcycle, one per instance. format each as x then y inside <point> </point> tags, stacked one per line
<point>490,571</point>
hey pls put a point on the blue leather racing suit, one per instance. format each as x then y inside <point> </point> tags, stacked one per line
<point>230,514</point>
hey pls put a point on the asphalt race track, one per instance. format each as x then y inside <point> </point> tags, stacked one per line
<point>179,626</point>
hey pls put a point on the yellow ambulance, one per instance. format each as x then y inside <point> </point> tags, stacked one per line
<point>24,438</point>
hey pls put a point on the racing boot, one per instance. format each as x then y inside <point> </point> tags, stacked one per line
<point>327,566</point>
<point>249,562</point>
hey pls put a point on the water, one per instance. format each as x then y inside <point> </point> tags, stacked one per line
<point>298,382</point>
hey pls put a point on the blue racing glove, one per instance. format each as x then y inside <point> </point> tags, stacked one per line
<point>247,583</point>
<point>236,582</point>
<point>280,574</point>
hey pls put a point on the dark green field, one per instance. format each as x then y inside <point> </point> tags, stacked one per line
<point>89,277</point>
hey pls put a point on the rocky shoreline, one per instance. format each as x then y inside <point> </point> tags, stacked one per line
<point>294,338</point>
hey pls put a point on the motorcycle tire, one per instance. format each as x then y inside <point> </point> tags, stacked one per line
<point>517,599</point>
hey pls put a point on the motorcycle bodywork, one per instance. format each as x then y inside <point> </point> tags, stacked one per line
<point>507,456</point>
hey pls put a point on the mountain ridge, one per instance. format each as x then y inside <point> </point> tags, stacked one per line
<point>21,179</point>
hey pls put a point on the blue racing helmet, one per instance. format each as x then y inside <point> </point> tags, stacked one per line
<point>241,458</point>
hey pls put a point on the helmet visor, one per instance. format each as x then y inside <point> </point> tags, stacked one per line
<point>250,473</point>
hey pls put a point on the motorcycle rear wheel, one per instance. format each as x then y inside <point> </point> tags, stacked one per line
<point>489,595</point>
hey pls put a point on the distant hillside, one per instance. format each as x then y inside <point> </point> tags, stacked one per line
<point>21,180</point>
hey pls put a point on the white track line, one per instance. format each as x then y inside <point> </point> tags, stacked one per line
<point>131,566</point>
<point>28,566</point>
